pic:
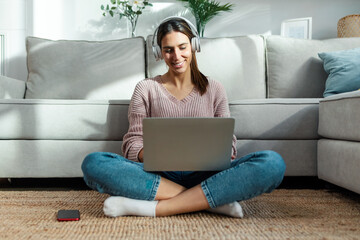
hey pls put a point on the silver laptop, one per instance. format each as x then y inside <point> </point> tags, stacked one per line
<point>187,144</point>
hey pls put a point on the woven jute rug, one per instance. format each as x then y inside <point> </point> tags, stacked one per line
<point>282,214</point>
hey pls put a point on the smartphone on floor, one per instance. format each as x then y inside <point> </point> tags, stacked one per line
<point>68,215</point>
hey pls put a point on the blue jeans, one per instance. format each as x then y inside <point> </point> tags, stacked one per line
<point>247,177</point>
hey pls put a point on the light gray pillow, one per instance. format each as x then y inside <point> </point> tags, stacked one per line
<point>69,69</point>
<point>294,68</point>
<point>237,62</point>
<point>11,88</point>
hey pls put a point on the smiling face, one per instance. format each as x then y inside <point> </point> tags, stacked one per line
<point>177,53</point>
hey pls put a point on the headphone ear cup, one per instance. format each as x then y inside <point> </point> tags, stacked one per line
<point>157,52</point>
<point>195,44</point>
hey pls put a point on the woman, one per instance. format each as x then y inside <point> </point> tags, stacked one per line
<point>183,91</point>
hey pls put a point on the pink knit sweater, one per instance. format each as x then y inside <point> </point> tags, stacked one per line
<point>152,99</point>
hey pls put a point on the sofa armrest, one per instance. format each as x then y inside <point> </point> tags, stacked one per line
<point>339,116</point>
<point>11,88</point>
<point>339,150</point>
<point>347,95</point>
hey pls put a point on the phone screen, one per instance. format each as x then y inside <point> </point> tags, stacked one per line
<point>68,215</point>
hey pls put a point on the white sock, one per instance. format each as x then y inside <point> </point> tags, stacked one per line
<point>122,206</point>
<point>233,209</point>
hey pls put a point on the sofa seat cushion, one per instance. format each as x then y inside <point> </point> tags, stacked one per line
<point>63,119</point>
<point>289,119</point>
<point>237,62</point>
<point>300,156</point>
<point>49,158</point>
<point>339,116</point>
<point>69,69</point>
<point>294,68</point>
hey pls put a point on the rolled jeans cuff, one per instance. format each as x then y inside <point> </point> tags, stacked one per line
<point>208,195</point>
<point>155,186</point>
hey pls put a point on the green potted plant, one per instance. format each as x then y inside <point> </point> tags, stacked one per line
<point>205,10</point>
<point>130,9</point>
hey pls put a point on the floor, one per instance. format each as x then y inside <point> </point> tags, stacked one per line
<point>282,214</point>
<point>303,208</point>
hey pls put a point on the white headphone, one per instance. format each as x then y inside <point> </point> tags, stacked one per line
<point>195,41</point>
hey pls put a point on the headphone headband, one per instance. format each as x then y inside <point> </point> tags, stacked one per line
<point>195,41</point>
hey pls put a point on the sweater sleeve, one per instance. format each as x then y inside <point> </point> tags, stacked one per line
<point>133,139</point>
<point>222,110</point>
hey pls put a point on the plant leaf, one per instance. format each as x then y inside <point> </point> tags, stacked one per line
<point>205,10</point>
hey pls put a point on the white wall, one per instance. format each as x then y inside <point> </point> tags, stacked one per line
<point>82,19</point>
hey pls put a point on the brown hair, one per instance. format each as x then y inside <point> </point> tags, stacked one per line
<point>176,24</point>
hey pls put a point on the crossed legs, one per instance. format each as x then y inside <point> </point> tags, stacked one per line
<point>180,201</point>
<point>248,177</point>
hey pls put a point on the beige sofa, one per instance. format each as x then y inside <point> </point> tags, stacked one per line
<point>76,98</point>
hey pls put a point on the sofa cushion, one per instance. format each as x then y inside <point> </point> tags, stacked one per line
<point>343,69</point>
<point>339,116</point>
<point>11,88</point>
<point>237,62</point>
<point>69,69</point>
<point>299,155</point>
<point>294,68</point>
<point>274,119</point>
<point>49,158</point>
<point>63,119</point>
